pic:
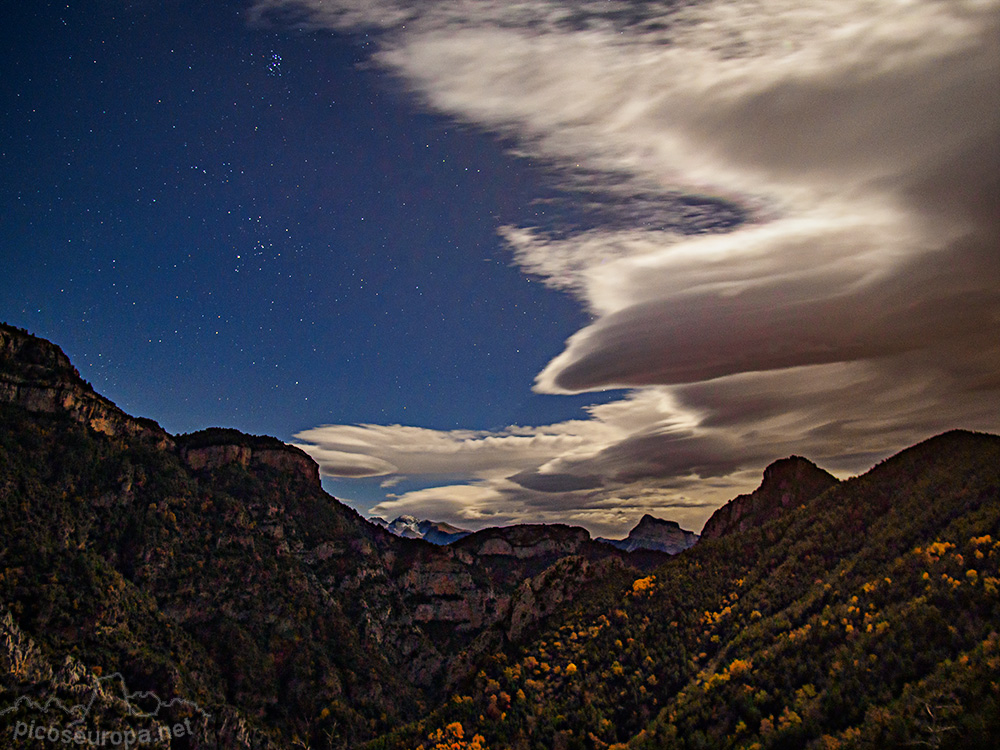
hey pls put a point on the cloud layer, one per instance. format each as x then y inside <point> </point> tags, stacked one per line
<point>834,291</point>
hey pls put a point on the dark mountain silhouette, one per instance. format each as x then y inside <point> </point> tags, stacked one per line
<point>787,484</point>
<point>213,568</point>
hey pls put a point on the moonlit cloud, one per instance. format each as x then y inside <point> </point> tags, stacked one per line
<point>534,456</point>
<point>838,296</point>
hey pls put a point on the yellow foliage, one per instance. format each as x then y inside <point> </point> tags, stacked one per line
<point>739,667</point>
<point>936,551</point>
<point>452,737</point>
<point>644,586</point>
<point>716,678</point>
<point>788,719</point>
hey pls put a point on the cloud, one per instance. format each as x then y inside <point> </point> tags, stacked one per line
<point>605,513</point>
<point>793,215</point>
<point>530,453</point>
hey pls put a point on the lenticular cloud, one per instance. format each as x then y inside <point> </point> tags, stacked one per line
<point>850,309</point>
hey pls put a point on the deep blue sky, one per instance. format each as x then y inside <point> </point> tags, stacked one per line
<point>233,226</point>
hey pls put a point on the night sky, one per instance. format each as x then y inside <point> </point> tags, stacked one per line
<point>494,263</point>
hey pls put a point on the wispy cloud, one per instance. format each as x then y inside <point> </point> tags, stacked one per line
<point>795,217</point>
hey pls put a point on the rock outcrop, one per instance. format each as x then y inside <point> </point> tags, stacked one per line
<point>788,483</point>
<point>36,375</point>
<point>655,534</point>
<point>216,447</point>
<point>222,550</point>
<point>524,542</point>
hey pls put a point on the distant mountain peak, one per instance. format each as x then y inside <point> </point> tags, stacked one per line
<point>410,527</point>
<point>787,484</point>
<point>648,521</point>
<point>654,533</point>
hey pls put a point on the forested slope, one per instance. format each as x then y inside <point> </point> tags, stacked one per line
<point>866,618</point>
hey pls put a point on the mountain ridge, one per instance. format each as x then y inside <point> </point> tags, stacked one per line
<point>435,532</point>
<point>222,549</point>
<point>37,374</point>
<point>863,617</point>
<point>787,484</point>
<point>196,569</point>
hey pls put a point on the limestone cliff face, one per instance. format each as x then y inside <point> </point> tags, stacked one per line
<point>479,593</point>
<point>265,573</point>
<point>655,534</point>
<point>285,458</point>
<point>787,484</point>
<point>36,375</point>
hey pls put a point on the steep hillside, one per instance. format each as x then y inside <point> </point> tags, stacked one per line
<point>867,617</point>
<point>213,567</point>
<point>205,585</point>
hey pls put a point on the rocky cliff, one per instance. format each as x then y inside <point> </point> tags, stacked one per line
<point>36,375</point>
<point>788,483</point>
<point>216,447</point>
<point>655,534</point>
<point>214,567</point>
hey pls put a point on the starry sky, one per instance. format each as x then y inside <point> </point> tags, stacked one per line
<point>492,262</point>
